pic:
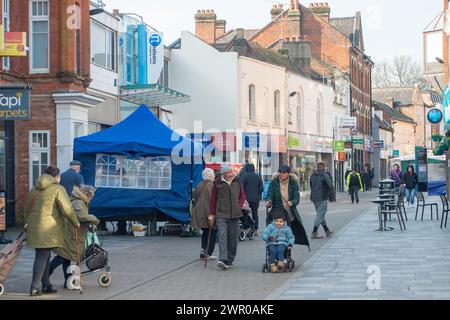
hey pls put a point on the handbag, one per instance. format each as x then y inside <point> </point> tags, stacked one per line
<point>96,257</point>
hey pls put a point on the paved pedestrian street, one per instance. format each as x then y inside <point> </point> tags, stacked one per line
<point>414,264</point>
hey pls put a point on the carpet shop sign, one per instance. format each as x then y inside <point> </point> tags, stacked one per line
<point>14,104</point>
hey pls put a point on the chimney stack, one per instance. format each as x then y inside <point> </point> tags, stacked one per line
<point>205,25</point>
<point>276,10</point>
<point>321,9</point>
<point>240,44</point>
<point>299,51</point>
<point>220,28</point>
<point>116,12</point>
<point>294,19</point>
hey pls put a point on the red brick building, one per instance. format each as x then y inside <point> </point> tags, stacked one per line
<point>335,42</point>
<point>57,69</point>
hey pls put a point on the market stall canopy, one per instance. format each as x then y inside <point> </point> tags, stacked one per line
<point>141,134</point>
<point>143,146</point>
<point>152,95</point>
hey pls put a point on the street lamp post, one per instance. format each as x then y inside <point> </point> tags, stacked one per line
<point>447,176</point>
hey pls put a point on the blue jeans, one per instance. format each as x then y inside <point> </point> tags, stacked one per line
<point>410,195</point>
<point>321,210</point>
<point>276,252</point>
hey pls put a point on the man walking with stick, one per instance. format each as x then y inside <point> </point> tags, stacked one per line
<point>227,199</point>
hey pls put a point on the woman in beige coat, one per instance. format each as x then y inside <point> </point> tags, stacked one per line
<point>200,213</point>
<point>81,197</point>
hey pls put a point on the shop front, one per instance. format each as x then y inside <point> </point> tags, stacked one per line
<point>305,151</point>
<point>265,151</point>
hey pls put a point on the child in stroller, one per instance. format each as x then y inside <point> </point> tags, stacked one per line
<point>246,226</point>
<point>279,241</point>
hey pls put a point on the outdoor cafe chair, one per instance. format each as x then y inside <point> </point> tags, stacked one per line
<point>397,209</point>
<point>445,210</point>
<point>421,203</point>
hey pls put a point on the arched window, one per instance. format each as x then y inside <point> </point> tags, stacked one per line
<point>277,107</point>
<point>252,102</point>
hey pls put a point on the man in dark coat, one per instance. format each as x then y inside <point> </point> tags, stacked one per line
<point>72,177</point>
<point>226,202</point>
<point>284,196</point>
<point>321,188</point>
<point>253,187</point>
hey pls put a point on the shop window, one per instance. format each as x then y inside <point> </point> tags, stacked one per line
<point>39,150</point>
<point>152,173</point>
<point>39,37</point>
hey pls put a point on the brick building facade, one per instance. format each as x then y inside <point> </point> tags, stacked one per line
<point>335,42</point>
<point>57,69</point>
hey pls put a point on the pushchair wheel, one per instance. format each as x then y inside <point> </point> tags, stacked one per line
<point>264,268</point>
<point>242,235</point>
<point>2,289</point>
<point>251,234</point>
<point>104,280</point>
<point>292,265</point>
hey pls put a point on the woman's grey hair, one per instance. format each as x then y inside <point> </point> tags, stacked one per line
<point>207,173</point>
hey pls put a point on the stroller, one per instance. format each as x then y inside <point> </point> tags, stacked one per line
<point>95,260</point>
<point>246,226</point>
<point>8,258</point>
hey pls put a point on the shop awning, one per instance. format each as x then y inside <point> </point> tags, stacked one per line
<point>152,95</point>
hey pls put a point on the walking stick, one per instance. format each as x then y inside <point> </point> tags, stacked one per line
<point>209,240</point>
<point>78,259</point>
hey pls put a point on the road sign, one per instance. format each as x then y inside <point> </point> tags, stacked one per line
<point>378,144</point>
<point>339,145</point>
<point>358,140</point>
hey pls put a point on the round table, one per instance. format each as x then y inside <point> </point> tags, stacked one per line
<point>380,203</point>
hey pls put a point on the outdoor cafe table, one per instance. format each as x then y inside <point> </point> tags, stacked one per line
<point>381,203</point>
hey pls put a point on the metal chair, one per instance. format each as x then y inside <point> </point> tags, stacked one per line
<point>401,200</point>
<point>396,210</point>
<point>421,203</point>
<point>445,210</point>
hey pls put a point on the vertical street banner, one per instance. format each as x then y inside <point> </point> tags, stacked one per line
<point>155,56</point>
<point>422,168</point>
<point>14,44</point>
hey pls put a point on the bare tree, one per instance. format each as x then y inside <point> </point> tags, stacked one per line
<point>402,72</point>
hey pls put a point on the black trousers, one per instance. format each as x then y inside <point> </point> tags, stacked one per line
<point>254,206</point>
<point>353,190</point>
<point>56,262</point>
<point>41,268</point>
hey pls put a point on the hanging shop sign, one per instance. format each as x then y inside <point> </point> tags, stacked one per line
<point>339,145</point>
<point>14,104</point>
<point>14,44</point>
<point>435,116</point>
<point>378,144</point>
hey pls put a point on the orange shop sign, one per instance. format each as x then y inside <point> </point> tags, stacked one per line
<point>14,44</point>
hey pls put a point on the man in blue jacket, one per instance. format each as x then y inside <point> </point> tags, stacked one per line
<point>72,177</point>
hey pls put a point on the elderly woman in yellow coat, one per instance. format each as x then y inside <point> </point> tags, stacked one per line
<point>81,198</point>
<point>46,211</point>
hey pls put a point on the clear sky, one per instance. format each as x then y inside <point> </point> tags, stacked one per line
<point>391,27</point>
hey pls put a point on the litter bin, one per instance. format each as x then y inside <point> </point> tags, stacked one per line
<point>386,186</point>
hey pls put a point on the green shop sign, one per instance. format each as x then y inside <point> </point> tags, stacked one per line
<point>339,145</point>
<point>293,142</point>
<point>358,140</point>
